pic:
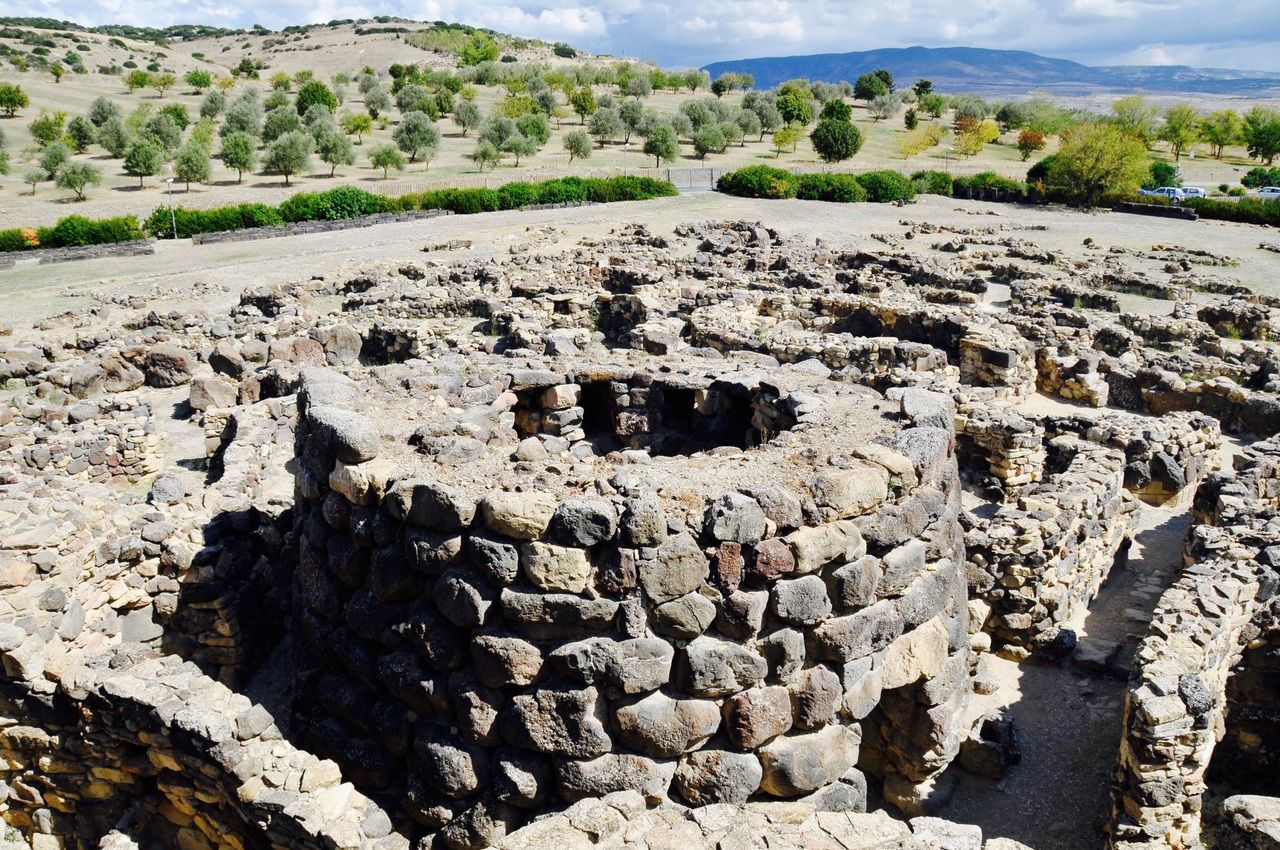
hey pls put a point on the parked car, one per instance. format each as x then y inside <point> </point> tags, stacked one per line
<point>1269,193</point>
<point>1193,192</point>
<point>1173,193</point>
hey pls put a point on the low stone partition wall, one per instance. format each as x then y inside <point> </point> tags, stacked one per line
<point>152,749</point>
<point>589,579</point>
<point>1039,561</point>
<point>1008,445</point>
<point>303,228</point>
<point>119,443</point>
<point>1164,459</point>
<point>1175,706</point>
<point>137,248</point>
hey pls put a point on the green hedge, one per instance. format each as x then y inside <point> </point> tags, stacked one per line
<point>349,202</point>
<point>763,181</point>
<point>885,186</point>
<point>987,180</point>
<point>191,222</point>
<point>1246,210</point>
<point>758,181</point>
<point>933,183</point>
<point>74,231</point>
<point>334,205</point>
<point>840,188</point>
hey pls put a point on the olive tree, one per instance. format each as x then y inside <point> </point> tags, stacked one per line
<point>239,151</point>
<point>289,154</point>
<point>386,157</point>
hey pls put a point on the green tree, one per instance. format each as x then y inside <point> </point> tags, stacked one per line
<point>1097,158</point>
<point>662,145</point>
<point>578,145</point>
<point>785,139</point>
<point>1181,128</point>
<point>519,145</point>
<point>162,83</point>
<point>911,119</point>
<point>12,98</point>
<point>137,79</point>
<point>191,164</point>
<point>1261,133</point>
<point>479,48</point>
<point>239,151</point>
<point>933,103</point>
<point>835,141</point>
<point>749,123</point>
<point>289,154</point>
<point>605,126</point>
<point>203,133</point>
<point>1220,129</point>
<point>1134,115</point>
<point>417,136</point>
<point>178,112</point>
<point>33,178</point>
<point>583,102</point>
<point>48,127</point>
<point>213,104</point>
<point>280,121</point>
<point>81,133</point>
<point>377,101</point>
<point>198,79</point>
<point>315,92</point>
<point>884,106</point>
<point>486,153</point>
<point>164,130</point>
<point>836,109</point>
<point>334,149</point>
<point>869,86</point>
<point>114,137</point>
<point>53,157</point>
<point>357,124</point>
<point>143,159</point>
<point>535,127</point>
<point>795,107</point>
<point>386,157</point>
<point>243,116</point>
<point>709,140</point>
<point>103,110</point>
<point>466,115</point>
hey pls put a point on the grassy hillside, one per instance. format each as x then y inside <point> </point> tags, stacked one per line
<point>337,53</point>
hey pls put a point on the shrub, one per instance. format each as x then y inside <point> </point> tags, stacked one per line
<point>515,195</point>
<point>191,222</point>
<point>839,188</point>
<point>1246,210</point>
<point>566,190</point>
<point>987,180</point>
<point>933,183</point>
<point>335,204</point>
<point>885,186</point>
<point>613,189</point>
<point>13,240</point>
<point>758,181</point>
<point>72,232</point>
<point>1039,173</point>
<point>1257,177</point>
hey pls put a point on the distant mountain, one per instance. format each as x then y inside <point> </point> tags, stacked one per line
<point>977,69</point>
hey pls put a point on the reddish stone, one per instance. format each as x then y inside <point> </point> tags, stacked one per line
<point>815,697</point>
<point>773,559</point>
<point>754,717</point>
<point>618,575</point>
<point>727,568</point>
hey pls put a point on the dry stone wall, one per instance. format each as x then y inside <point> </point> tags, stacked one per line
<point>479,654</point>
<point>1175,706</point>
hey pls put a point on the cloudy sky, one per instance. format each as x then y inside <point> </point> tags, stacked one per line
<point>1217,33</point>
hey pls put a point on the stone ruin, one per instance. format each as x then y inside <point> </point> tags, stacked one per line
<point>706,536</point>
